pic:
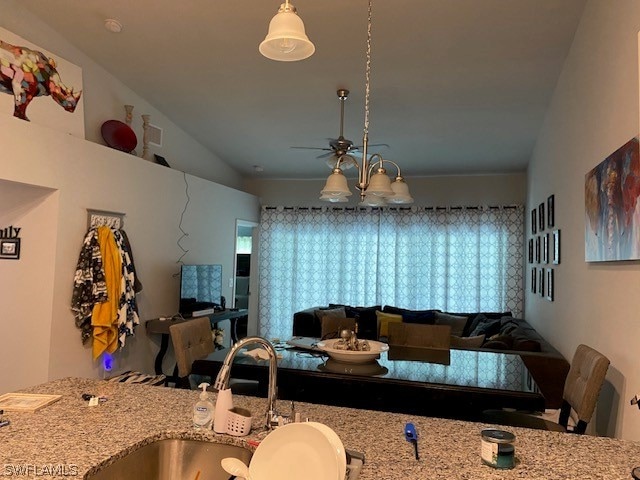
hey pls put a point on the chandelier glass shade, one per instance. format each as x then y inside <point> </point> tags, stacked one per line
<point>286,40</point>
<point>376,188</point>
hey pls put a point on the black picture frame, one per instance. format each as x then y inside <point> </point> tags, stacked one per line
<point>534,281</point>
<point>555,259</point>
<point>541,217</point>
<point>551,214</point>
<point>534,222</point>
<point>545,248</point>
<point>550,284</point>
<point>541,282</point>
<point>538,249</point>
<point>10,248</point>
<point>531,250</point>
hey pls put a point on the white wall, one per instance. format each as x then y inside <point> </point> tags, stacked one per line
<point>594,111</point>
<point>26,305</point>
<point>104,98</point>
<point>426,191</point>
<point>86,175</point>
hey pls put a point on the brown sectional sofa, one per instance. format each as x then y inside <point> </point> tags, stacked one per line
<point>502,333</point>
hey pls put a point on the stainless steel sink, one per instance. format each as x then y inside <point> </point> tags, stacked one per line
<point>173,459</point>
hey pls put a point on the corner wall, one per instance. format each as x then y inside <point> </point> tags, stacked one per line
<point>85,175</point>
<point>594,111</point>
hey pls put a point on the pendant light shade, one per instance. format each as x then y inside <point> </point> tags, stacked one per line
<point>380,184</point>
<point>286,40</point>
<point>336,186</point>
<point>400,192</point>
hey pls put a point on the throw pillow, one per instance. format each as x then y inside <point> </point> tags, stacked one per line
<point>336,312</point>
<point>496,345</point>
<point>478,317</point>
<point>473,324</point>
<point>332,325</point>
<point>428,317</point>
<point>384,319</point>
<point>488,328</point>
<point>467,342</point>
<point>455,322</point>
<point>525,344</point>
<point>366,320</point>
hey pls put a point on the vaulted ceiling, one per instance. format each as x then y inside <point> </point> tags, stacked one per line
<point>457,86</point>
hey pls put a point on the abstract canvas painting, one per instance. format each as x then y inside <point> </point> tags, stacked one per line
<point>612,207</point>
<point>40,86</point>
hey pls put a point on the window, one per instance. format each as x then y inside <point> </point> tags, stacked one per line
<point>453,259</point>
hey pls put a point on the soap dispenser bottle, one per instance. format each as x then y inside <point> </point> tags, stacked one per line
<point>203,410</point>
<point>224,402</point>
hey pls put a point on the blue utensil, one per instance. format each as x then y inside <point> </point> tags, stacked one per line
<point>411,435</point>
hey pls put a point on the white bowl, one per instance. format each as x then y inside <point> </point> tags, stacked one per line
<point>293,452</point>
<point>352,356</point>
<point>368,369</point>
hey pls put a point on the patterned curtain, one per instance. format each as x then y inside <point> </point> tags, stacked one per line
<point>464,259</point>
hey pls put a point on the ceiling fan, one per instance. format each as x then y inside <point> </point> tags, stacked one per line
<point>340,146</point>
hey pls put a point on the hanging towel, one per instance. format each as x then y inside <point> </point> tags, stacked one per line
<point>89,287</point>
<point>127,306</point>
<point>137,284</point>
<point>104,318</point>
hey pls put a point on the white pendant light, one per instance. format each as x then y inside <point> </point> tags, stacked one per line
<point>286,40</point>
<point>336,186</point>
<point>401,193</point>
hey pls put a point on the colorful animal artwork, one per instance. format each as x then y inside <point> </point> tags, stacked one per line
<point>27,73</point>
<point>612,206</point>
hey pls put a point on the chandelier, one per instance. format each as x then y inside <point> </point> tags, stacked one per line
<point>376,188</point>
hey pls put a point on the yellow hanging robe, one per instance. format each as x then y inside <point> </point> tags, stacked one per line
<point>104,318</point>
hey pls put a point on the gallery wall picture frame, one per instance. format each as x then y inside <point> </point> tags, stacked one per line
<point>541,282</point>
<point>534,222</point>
<point>531,250</point>
<point>555,259</point>
<point>10,249</point>
<point>551,211</point>
<point>541,218</point>
<point>534,281</point>
<point>545,248</point>
<point>538,249</point>
<point>550,284</point>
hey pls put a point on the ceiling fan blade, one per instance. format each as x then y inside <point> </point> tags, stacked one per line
<point>325,155</point>
<point>314,148</point>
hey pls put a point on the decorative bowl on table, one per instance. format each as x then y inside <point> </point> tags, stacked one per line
<point>352,356</point>
<point>368,369</point>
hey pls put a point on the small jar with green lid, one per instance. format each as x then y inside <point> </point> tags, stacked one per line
<point>497,448</point>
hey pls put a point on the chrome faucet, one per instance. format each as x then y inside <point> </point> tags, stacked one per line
<point>222,380</point>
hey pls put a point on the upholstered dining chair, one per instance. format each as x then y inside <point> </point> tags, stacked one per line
<point>413,341</point>
<point>192,340</point>
<point>581,390</point>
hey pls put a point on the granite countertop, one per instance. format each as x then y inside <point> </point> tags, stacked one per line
<point>69,432</point>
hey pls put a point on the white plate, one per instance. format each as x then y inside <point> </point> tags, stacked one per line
<point>338,446</point>
<point>351,356</point>
<point>293,452</point>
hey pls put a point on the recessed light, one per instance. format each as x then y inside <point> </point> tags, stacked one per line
<point>113,25</point>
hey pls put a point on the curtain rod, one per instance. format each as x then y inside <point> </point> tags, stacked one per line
<point>468,207</point>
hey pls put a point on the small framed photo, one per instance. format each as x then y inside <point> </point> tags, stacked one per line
<point>534,281</point>
<point>538,249</point>
<point>541,282</point>
<point>550,284</point>
<point>10,248</point>
<point>551,220</point>
<point>534,222</point>
<point>531,250</point>
<point>545,248</point>
<point>541,217</point>
<point>556,247</point>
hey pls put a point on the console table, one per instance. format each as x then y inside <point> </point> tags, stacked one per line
<point>472,382</point>
<point>161,327</point>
